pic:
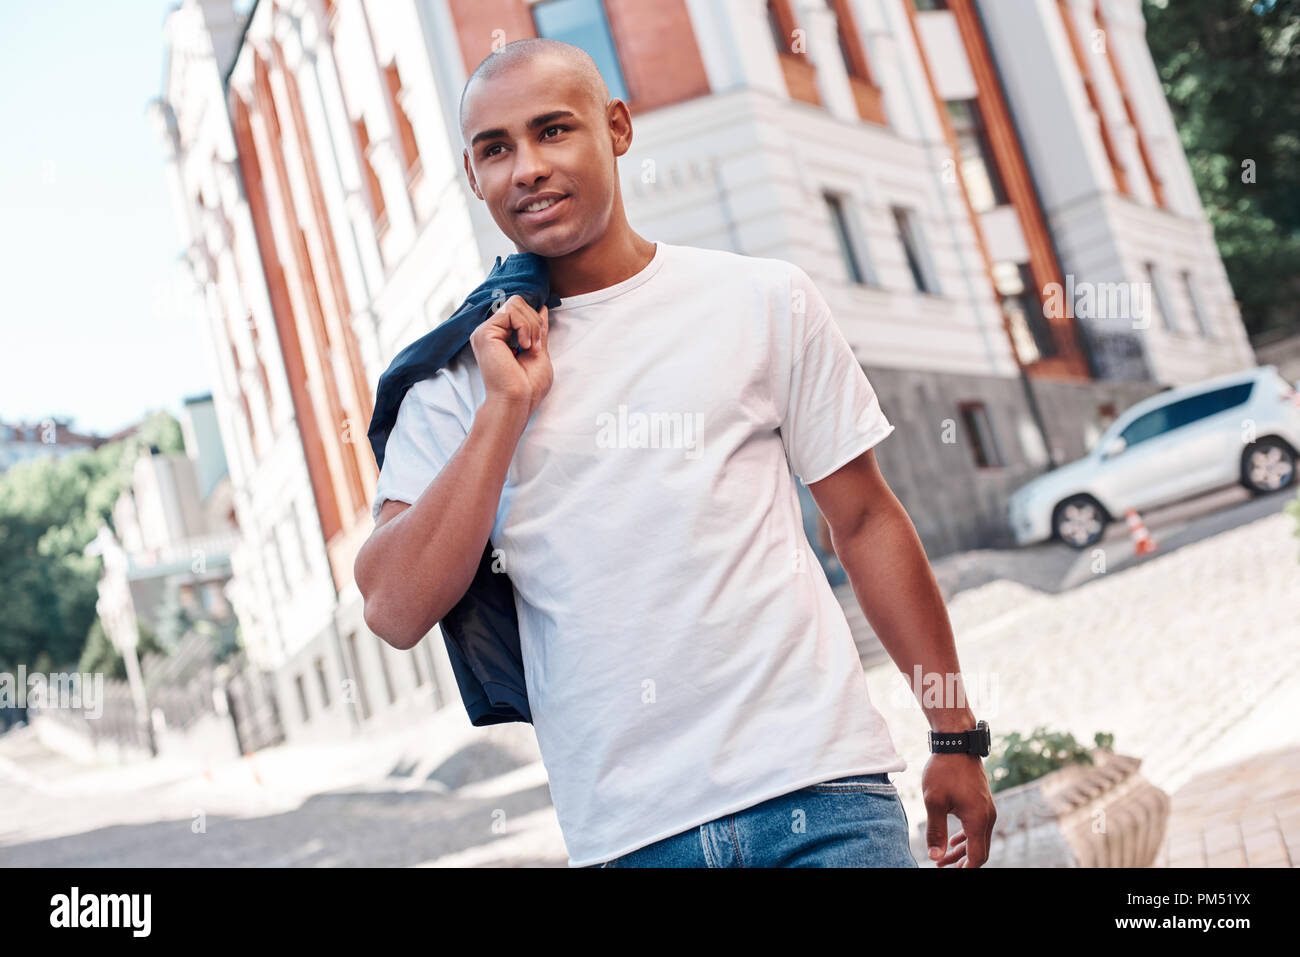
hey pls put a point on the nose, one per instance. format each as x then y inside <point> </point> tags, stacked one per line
<point>529,165</point>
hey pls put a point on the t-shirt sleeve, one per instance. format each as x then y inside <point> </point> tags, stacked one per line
<point>832,414</point>
<point>430,426</point>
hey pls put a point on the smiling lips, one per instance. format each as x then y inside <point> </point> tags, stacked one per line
<point>556,209</point>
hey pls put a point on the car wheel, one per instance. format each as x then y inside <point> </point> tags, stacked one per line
<point>1267,466</point>
<point>1079,521</point>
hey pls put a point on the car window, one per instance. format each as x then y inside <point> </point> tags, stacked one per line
<point>1209,403</point>
<point>1146,426</point>
<point>1184,412</point>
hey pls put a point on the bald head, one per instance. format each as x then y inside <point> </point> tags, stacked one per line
<point>574,60</point>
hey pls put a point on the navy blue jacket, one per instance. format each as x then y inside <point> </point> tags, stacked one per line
<point>482,630</point>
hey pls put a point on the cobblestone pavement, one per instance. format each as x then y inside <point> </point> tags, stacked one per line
<point>1244,815</point>
<point>1175,656</point>
<point>1189,658</point>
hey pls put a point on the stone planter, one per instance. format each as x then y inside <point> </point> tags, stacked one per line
<point>1082,815</point>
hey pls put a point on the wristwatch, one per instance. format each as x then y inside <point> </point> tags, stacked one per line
<point>975,741</point>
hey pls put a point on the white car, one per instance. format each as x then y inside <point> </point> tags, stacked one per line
<point>1243,427</point>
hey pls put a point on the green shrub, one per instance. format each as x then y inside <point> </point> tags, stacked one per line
<point>1018,760</point>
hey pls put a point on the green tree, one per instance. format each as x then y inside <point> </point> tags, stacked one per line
<point>50,510</point>
<point>1230,70</point>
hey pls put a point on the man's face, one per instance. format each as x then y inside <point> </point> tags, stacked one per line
<point>543,138</point>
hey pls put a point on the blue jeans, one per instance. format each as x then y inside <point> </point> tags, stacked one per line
<point>855,821</point>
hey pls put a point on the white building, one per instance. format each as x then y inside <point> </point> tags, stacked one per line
<point>935,167</point>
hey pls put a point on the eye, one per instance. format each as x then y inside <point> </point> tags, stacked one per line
<point>556,126</point>
<point>488,152</point>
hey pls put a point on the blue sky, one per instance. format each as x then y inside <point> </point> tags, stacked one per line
<point>91,323</point>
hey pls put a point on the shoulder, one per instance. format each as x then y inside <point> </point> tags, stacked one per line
<point>455,379</point>
<point>724,262</point>
<point>785,282</point>
<point>455,389</point>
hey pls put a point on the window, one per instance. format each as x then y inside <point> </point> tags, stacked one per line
<point>975,420</point>
<point>1160,298</point>
<point>1146,427</point>
<point>405,131</point>
<point>583,23</point>
<point>1203,406</point>
<point>979,170</point>
<point>845,238</point>
<point>1201,319</point>
<point>382,649</point>
<point>302,698</point>
<point>261,371</point>
<point>780,36</point>
<point>324,681</point>
<point>909,236</point>
<point>299,542</point>
<point>290,551</point>
<point>850,46</point>
<point>1031,334</point>
<point>276,563</point>
<point>850,67</point>
<point>368,174</point>
<point>363,700</point>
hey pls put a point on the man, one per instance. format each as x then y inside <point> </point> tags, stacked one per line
<point>694,684</point>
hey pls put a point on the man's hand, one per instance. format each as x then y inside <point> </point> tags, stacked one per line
<point>521,380</point>
<point>956,784</point>
<point>895,586</point>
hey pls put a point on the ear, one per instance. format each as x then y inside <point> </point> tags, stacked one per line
<point>620,126</point>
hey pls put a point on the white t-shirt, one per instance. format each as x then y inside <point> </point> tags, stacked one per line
<point>685,655</point>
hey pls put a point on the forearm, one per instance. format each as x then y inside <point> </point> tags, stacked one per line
<point>415,567</point>
<point>891,577</point>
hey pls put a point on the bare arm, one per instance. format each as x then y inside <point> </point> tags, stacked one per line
<point>878,546</point>
<point>892,579</point>
<point>421,558</point>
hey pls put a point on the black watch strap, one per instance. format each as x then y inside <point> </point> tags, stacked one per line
<point>974,742</point>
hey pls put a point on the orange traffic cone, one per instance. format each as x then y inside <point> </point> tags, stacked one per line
<point>1143,543</point>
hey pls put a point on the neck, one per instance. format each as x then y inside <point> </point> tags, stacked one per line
<point>615,257</point>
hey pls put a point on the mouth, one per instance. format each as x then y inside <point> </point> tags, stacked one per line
<point>553,211</point>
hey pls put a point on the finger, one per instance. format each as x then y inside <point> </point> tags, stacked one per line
<point>525,328</point>
<point>977,847</point>
<point>506,319</point>
<point>537,330</point>
<point>936,830</point>
<point>955,853</point>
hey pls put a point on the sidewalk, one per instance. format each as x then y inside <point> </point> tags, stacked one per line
<point>399,759</point>
<point>1243,815</point>
<point>1188,658</point>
